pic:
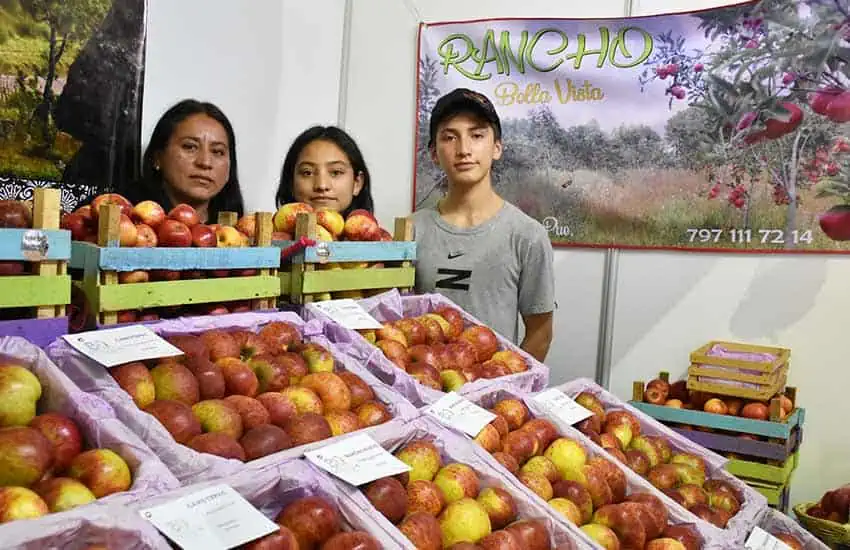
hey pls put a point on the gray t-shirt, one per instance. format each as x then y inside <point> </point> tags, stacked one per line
<point>494,270</point>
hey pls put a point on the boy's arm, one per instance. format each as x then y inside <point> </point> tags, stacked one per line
<point>538,335</point>
<point>537,292</point>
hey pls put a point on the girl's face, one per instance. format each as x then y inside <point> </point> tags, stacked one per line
<point>195,163</point>
<point>324,177</point>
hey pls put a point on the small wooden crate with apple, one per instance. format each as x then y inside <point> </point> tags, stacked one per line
<point>207,266</point>
<point>739,370</point>
<point>352,257</point>
<point>35,288</point>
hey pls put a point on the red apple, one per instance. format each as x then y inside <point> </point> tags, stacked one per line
<point>145,236</point>
<point>63,433</point>
<point>185,214</point>
<point>127,232</point>
<point>484,340</point>
<point>149,213</point>
<point>76,224</point>
<point>173,233</point>
<point>835,222</point>
<point>203,236</point>
<point>110,198</point>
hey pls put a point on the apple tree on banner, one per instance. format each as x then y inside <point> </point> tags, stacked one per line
<point>768,106</point>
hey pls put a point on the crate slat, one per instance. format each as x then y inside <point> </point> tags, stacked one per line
<point>724,443</point>
<point>765,473</point>
<point>87,255</point>
<point>701,356</point>
<point>31,290</point>
<point>171,293</point>
<point>777,430</point>
<point>355,279</point>
<point>58,244</point>
<point>356,251</point>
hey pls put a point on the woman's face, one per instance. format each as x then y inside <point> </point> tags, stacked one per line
<point>195,163</point>
<point>324,177</point>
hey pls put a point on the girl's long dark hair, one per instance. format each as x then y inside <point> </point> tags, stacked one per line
<point>152,187</point>
<point>341,139</point>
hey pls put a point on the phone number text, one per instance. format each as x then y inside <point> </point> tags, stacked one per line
<point>747,236</point>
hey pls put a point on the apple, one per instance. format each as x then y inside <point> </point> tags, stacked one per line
<point>352,540</point>
<point>567,454</point>
<point>103,471</point>
<point>122,203</point>
<point>247,225</point>
<point>280,336</point>
<point>665,544</point>
<point>127,232</point>
<point>674,403</point>
<point>389,497</point>
<point>25,456</point>
<point>426,375</point>
<point>464,520</point>
<point>177,418</point>
<point>185,214</point>
<point>307,427</point>
<point>457,481</point>
<point>724,501</point>
<point>706,513</point>
<point>423,457</point>
<point>373,413</point>
<point>614,477</point>
<point>602,535</point>
<point>219,444</point>
<point>835,222</point>
<point>514,411</point>
<point>318,358</point>
<point>498,540</point>
<point>790,540</point>
<point>175,234</point>
<point>424,496</point>
<point>73,222</point>
<point>20,503</point>
<point>685,534</point>
<point>360,391</point>
<point>489,439</point>
<point>693,494</point>
<point>203,236</point>
<point>756,411</point>
<point>715,406</point>
<point>414,331</point>
<point>217,415</point>
<point>625,522</point>
<point>331,220</point>
<point>149,213</point>
<point>63,493</point>
<point>175,381</point>
<point>531,534</point>
<point>285,217</point>
<point>654,396</point>
<point>637,461</point>
<point>63,434</point>
<point>360,225</point>
<point>521,445</point>
<point>15,214</point>
<point>499,505</point>
<point>483,339</point>
<point>228,237</point>
<point>435,333</point>
<point>283,539</point>
<point>422,530</point>
<point>537,483</point>
<point>786,404</point>
<point>389,331</point>
<point>542,465</point>
<point>312,519</point>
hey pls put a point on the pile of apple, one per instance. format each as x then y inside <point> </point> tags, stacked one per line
<point>313,523</point>
<point>834,505</point>
<point>15,215</point>
<point>359,225</point>
<point>244,395</point>
<point>589,491</point>
<point>437,505</point>
<point>43,467</point>
<point>677,395</point>
<point>437,351</point>
<point>681,476</point>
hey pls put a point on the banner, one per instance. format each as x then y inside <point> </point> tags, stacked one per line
<point>720,129</point>
<point>71,76</point>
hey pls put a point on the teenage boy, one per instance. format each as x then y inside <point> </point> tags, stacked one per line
<point>478,250</point>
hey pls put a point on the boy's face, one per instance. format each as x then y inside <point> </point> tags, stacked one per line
<point>465,148</point>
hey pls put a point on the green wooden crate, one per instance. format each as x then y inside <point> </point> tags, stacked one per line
<point>765,473</point>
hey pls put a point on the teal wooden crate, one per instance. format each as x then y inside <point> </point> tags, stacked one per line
<point>355,251</point>
<point>57,244</point>
<point>90,257</point>
<point>776,430</point>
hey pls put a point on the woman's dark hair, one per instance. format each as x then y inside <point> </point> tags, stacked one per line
<point>152,187</point>
<point>341,139</point>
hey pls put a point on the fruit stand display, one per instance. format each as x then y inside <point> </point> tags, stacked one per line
<point>762,440</point>
<point>452,494</point>
<point>687,473</point>
<point>428,346</point>
<point>34,285</point>
<point>62,451</point>
<point>250,387</point>
<point>612,504</point>
<point>331,257</point>
<point>139,263</point>
<point>304,502</point>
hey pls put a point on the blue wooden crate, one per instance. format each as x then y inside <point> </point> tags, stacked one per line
<point>58,244</point>
<point>777,430</point>
<point>356,251</point>
<point>91,257</point>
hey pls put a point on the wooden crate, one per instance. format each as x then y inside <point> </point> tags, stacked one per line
<point>101,264</point>
<point>749,470</point>
<point>737,377</point>
<point>776,450</point>
<point>308,279</point>
<point>41,297</point>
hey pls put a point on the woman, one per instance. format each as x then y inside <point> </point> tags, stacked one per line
<point>325,169</point>
<point>191,159</point>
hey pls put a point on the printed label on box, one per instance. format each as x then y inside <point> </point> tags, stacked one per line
<point>760,539</point>
<point>357,460</point>
<point>216,518</point>
<point>116,346</point>
<point>461,414</point>
<point>557,403</point>
<point>348,313</point>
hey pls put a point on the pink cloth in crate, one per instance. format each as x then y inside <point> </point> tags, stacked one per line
<point>391,306</point>
<point>188,465</point>
<point>270,487</point>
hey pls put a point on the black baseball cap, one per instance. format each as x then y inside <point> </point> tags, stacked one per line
<point>463,100</point>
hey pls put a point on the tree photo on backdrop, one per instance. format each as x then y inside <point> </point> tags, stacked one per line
<point>719,129</point>
<point>70,95</point>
